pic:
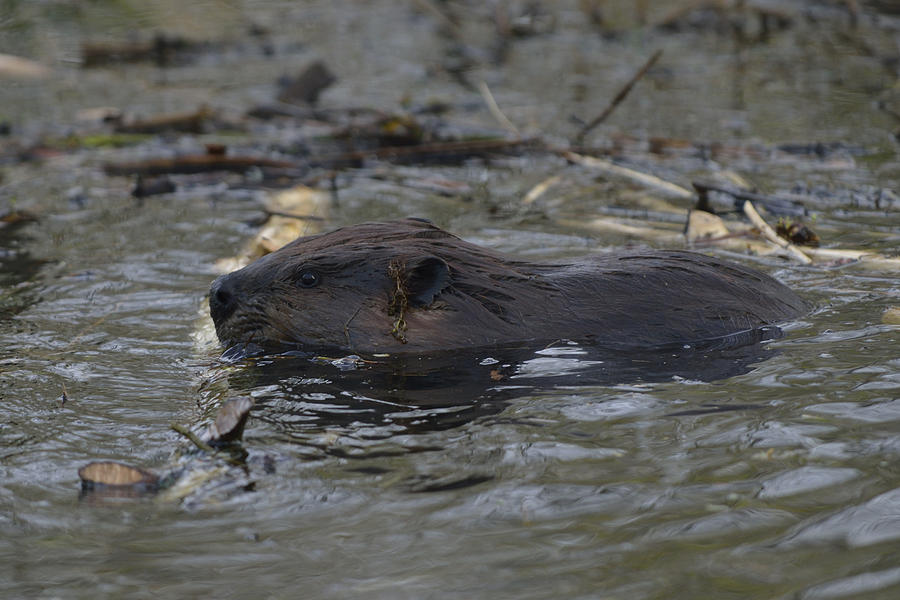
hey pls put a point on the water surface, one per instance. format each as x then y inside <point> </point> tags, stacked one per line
<point>776,480</point>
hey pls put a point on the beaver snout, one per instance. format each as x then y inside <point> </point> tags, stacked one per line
<point>223,298</point>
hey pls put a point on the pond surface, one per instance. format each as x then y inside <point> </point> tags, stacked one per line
<point>779,479</point>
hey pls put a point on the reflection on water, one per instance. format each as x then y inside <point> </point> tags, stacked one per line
<point>420,393</point>
<point>17,268</point>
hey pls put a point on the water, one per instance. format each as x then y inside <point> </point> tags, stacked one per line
<point>777,480</point>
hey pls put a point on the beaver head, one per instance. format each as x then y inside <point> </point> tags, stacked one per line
<point>373,286</point>
<point>409,286</point>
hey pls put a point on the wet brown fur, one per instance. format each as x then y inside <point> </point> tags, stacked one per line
<point>409,286</point>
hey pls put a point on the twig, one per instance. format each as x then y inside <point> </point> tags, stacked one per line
<point>540,189</point>
<point>773,237</point>
<point>784,206</point>
<point>645,179</point>
<point>22,68</point>
<point>867,259</point>
<point>201,163</point>
<point>193,437</point>
<point>618,98</point>
<point>193,122</point>
<point>495,108</point>
<point>231,460</point>
<point>615,226</point>
<point>422,151</point>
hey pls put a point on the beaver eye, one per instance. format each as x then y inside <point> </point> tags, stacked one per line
<point>308,278</point>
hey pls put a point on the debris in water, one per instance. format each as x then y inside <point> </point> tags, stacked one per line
<point>891,316</point>
<point>152,186</point>
<point>797,233</point>
<point>163,50</point>
<point>16,67</point>
<point>190,122</point>
<point>306,87</point>
<point>230,421</point>
<point>117,479</point>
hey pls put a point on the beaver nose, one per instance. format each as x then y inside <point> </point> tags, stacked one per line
<point>222,298</point>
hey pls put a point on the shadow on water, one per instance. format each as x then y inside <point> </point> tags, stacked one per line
<point>299,395</point>
<point>17,270</point>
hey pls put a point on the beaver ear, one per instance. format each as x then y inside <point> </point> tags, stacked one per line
<point>426,276</point>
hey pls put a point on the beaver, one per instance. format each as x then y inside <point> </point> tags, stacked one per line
<point>409,286</point>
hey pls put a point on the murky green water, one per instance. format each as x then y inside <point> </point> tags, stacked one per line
<point>609,489</point>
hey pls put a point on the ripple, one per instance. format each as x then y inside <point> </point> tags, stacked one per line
<point>805,479</point>
<point>613,408</point>
<point>545,451</point>
<point>874,522</point>
<point>547,366</point>
<point>853,586</point>
<point>721,524</point>
<point>886,411</point>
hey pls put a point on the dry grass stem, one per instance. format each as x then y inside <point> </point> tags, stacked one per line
<point>495,109</point>
<point>773,237</point>
<point>651,181</point>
